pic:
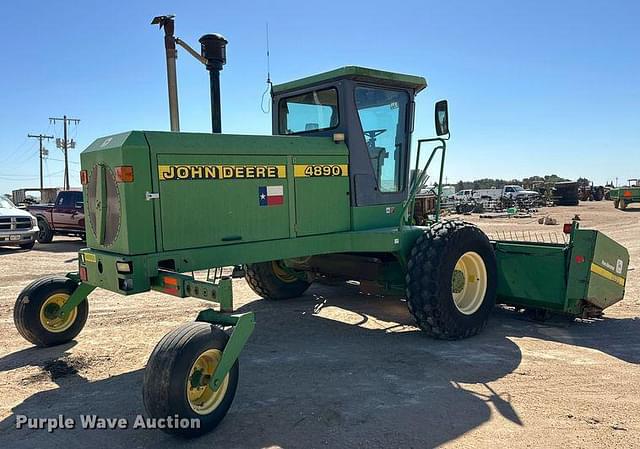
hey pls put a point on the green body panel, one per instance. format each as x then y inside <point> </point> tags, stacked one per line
<point>193,213</point>
<point>135,235</point>
<point>385,215</point>
<point>322,203</point>
<point>591,269</point>
<point>353,72</point>
<point>532,274</point>
<point>203,212</point>
<point>607,287</point>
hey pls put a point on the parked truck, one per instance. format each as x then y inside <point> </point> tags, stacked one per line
<point>64,217</point>
<point>17,227</point>
<point>511,192</point>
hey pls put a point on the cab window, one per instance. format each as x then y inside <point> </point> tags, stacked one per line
<point>312,111</point>
<point>69,199</point>
<point>382,115</point>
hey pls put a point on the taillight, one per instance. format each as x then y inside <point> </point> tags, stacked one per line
<point>83,274</point>
<point>579,259</point>
<point>566,228</point>
<point>124,173</point>
<point>84,177</point>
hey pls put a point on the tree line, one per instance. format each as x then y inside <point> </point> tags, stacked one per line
<point>490,183</point>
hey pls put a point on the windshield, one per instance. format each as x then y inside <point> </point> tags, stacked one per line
<point>382,115</point>
<point>517,188</point>
<point>308,112</point>
<point>6,204</point>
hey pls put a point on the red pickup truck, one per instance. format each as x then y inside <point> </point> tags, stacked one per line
<point>64,217</point>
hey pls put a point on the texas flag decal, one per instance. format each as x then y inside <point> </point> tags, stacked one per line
<point>271,195</point>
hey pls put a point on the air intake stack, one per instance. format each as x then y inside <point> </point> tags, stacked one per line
<point>214,50</point>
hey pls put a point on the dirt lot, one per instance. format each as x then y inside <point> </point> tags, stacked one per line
<point>340,369</point>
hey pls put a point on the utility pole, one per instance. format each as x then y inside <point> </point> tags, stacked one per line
<point>65,144</point>
<point>43,153</point>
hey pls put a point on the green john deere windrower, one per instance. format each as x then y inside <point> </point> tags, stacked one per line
<point>329,196</point>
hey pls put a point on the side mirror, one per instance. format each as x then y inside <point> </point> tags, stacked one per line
<point>442,118</point>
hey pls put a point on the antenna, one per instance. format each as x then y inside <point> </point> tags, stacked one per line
<point>268,57</point>
<point>269,83</point>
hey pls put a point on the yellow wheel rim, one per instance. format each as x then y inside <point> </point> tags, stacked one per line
<point>281,273</point>
<point>49,314</point>
<point>202,399</point>
<point>469,283</point>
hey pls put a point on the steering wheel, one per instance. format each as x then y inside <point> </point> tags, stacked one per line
<point>371,135</point>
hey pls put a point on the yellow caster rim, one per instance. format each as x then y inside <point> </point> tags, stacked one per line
<point>469,283</point>
<point>202,399</point>
<point>49,318</point>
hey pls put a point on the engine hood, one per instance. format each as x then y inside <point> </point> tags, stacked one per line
<point>13,212</point>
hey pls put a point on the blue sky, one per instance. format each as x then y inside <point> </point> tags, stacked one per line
<point>534,87</point>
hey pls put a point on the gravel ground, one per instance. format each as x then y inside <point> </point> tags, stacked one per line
<point>337,368</point>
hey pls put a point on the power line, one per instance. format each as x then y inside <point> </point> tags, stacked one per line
<point>62,160</point>
<point>65,144</point>
<point>16,150</point>
<point>43,152</point>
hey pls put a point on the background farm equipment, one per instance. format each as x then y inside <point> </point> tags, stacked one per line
<point>565,193</point>
<point>326,197</point>
<point>587,191</point>
<point>623,196</point>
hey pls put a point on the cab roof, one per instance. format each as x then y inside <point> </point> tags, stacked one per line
<point>355,73</point>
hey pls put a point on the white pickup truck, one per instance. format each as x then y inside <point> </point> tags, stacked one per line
<point>513,192</point>
<point>17,227</point>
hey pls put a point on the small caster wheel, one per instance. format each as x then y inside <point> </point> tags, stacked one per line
<point>176,379</point>
<point>36,312</point>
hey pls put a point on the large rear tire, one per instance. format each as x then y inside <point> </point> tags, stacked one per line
<point>34,313</point>
<point>272,280</point>
<point>452,280</point>
<point>175,379</point>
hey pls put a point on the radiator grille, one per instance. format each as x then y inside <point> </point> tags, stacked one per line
<point>14,223</point>
<point>104,216</point>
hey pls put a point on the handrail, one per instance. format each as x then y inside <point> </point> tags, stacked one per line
<point>419,181</point>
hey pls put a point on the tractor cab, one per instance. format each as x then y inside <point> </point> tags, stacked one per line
<point>372,111</point>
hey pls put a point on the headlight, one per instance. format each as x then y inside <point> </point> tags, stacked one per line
<point>34,222</point>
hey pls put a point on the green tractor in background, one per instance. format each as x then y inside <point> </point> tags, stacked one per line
<point>328,196</point>
<point>623,196</point>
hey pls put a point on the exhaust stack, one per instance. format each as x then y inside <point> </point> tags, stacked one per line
<point>167,22</point>
<point>214,50</point>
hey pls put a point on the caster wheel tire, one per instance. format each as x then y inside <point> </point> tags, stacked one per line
<point>35,312</point>
<point>176,376</point>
